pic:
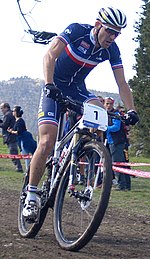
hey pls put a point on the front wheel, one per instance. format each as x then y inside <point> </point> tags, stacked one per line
<point>77,216</point>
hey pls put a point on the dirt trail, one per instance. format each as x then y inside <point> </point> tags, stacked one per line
<point>122,236</point>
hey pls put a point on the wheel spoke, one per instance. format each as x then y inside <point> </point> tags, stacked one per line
<point>76,216</point>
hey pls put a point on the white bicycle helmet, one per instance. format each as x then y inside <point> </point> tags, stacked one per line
<point>112,16</point>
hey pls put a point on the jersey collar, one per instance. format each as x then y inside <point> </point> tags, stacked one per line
<point>92,36</point>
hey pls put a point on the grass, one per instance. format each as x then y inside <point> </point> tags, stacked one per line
<point>136,200</point>
<point>9,179</point>
<point>141,160</point>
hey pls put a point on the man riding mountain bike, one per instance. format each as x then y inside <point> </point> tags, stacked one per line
<point>70,58</point>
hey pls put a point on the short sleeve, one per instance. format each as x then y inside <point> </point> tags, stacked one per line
<point>115,57</point>
<point>71,33</point>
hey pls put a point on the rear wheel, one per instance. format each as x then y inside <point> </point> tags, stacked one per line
<point>78,216</point>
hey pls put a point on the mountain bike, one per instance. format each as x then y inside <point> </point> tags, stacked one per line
<point>78,209</point>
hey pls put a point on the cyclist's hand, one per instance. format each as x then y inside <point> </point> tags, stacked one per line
<point>52,91</point>
<point>131,117</point>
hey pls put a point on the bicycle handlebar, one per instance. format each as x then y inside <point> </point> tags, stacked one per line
<point>67,102</point>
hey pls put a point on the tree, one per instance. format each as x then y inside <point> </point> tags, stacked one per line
<point>140,84</point>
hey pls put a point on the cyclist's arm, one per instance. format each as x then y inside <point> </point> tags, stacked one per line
<point>56,48</point>
<point>124,90</point>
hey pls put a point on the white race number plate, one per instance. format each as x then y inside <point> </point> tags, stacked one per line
<point>95,117</point>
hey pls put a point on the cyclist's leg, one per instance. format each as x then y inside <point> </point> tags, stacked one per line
<point>47,135</point>
<point>82,94</point>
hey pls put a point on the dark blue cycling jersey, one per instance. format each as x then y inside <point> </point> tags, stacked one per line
<point>73,65</point>
<point>80,56</point>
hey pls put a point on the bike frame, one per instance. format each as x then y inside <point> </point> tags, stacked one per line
<point>61,142</point>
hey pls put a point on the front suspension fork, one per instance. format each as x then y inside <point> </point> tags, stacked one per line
<point>73,165</point>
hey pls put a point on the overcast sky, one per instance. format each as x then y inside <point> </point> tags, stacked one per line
<point>20,57</point>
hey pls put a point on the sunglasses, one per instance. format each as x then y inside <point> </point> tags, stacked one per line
<point>111,31</point>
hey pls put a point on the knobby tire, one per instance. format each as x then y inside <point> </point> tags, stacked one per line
<point>69,217</point>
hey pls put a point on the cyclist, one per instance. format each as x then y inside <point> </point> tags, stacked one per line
<point>70,58</point>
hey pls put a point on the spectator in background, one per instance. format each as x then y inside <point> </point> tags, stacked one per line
<point>109,106</point>
<point>101,99</point>
<point>25,139</point>
<point>122,111</point>
<point>116,139</point>
<point>10,139</point>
